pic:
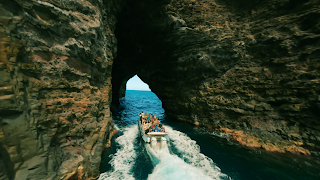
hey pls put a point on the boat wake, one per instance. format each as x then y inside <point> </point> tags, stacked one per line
<point>123,160</point>
<point>180,159</point>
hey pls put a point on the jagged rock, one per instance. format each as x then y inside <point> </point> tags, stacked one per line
<point>249,68</point>
<point>252,67</point>
<point>55,67</point>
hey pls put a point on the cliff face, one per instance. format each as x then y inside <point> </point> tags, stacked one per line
<point>247,68</point>
<point>55,87</point>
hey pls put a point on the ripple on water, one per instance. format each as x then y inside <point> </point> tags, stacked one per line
<point>191,151</point>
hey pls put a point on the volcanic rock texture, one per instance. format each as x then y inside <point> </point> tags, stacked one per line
<point>249,68</point>
<point>55,64</point>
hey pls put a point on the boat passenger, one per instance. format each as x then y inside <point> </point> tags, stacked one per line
<point>160,127</point>
<point>144,115</point>
<point>156,129</point>
<point>145,126</point>
<point>153,126</point>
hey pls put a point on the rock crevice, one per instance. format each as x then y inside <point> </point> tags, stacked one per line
<point>55,88</point>
<point>250,69</point>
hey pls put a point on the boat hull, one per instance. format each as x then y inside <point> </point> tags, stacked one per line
<point>152,136</point>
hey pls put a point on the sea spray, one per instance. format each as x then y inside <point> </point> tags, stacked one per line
<point>173,167</point>
<point>189,163</point>
<point>123,160</point>
<point>238,162</point>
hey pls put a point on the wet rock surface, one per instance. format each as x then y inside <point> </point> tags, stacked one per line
<point>55,87</point>
<point>247,68</point>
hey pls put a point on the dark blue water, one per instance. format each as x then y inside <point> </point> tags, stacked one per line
<point>193,152</point>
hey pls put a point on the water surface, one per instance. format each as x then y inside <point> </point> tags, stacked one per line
<point>193,152</point>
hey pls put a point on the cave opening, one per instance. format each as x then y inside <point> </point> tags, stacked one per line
<point>142,31</point>
<point>135,83</point>
<point>131,82</point>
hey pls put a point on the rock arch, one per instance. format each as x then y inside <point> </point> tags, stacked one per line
<point>247,68</point>
<point>235,66</point>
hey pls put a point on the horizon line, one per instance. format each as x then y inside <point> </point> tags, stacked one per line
<point>136,90</point>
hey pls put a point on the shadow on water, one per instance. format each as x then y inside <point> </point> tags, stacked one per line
<point>248,163</point>
<point>143,165</point>
<point>233,159</point>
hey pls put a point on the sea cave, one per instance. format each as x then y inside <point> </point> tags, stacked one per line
<point>247,69</point>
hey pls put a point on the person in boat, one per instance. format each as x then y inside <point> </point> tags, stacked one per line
<point>145,126</point>
<point>152,126</point>
<point>144,115</point>
<point>150,129</point>
<point>157,121</point>
<point>147,130</point>
<point>153,123</point>
<point>163,129</point>
<point>156,128</point>
<point>140,116</point>
<point>143,121</point>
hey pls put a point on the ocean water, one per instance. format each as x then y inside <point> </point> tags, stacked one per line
<point>192,152</point>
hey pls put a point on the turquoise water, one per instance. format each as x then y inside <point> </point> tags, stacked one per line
<point>192,152</point>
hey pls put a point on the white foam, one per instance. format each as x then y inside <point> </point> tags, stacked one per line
<point>123,160</point>
<point>191,165</point>
<point>221,134</point>
<point>173,167</point>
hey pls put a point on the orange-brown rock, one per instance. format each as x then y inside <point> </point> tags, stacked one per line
<point>55,86</point>
<point>251,140</point>
<point>249,66</point>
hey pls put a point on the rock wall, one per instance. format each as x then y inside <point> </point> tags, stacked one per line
<point>55,89</point>
<point>250,69</point>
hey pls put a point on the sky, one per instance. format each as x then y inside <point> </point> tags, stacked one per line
<point>135,83</point>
